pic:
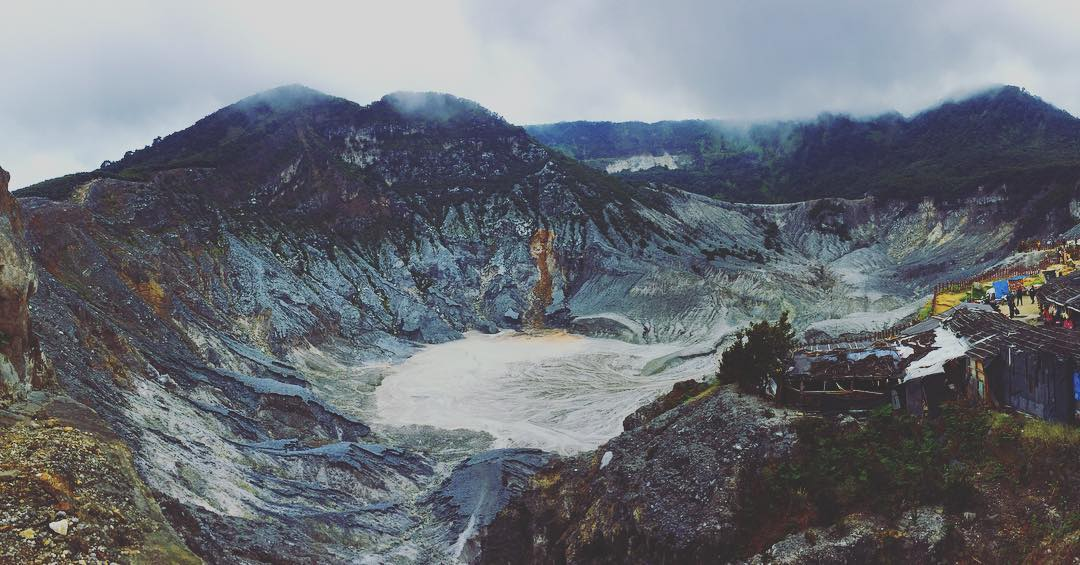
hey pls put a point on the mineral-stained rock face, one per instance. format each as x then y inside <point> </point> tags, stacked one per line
<point>540,248</point>
<point>21,364</point>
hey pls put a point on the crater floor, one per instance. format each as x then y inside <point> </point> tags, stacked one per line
<point>552,390</point>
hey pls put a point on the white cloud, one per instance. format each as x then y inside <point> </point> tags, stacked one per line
<point>85,82</point>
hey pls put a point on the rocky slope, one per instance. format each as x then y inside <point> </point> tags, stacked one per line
<point>719,477</point>
<point>22,365</point>
<point>215,296</point>
<point>69,492</point>
<point>665,491</point>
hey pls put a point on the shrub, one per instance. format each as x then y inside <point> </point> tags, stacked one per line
<point>761,351</point>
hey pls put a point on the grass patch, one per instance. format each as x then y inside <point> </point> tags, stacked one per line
<point>1051,434</point>
<point>925,311</point>
<point>945,300</point>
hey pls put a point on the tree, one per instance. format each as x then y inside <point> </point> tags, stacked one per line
<point>761,351</point>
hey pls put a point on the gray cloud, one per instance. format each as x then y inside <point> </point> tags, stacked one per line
<point>86,81</point>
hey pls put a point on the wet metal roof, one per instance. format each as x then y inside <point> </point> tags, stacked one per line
<point>986,332</point>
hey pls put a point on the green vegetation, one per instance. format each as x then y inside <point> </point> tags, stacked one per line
<point>760,352</point>
<point>62,188</point>
<point>828,215</point>
<point>772,236</point>
<point>926,310</point>
<point>721,252</point>
<point>967,460</point>
<point>1003,136</point>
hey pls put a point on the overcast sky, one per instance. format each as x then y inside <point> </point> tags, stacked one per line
<point>86,81</point>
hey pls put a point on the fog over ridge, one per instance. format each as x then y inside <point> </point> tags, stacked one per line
<point>66,108</point>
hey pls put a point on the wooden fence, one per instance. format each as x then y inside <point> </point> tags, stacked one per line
<point>1000,273</point>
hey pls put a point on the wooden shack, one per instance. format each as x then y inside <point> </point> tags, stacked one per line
<point>924,395</point>
<point>1063,292</point>
<point>1013,364</point>
<point>839,380</point>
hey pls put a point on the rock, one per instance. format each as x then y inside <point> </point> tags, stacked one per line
<point>22,365</point>
<point>671,498</point>
<point>166,269</point>
<point>606,459</point>
<point>612,326</point>
<point>480,487</point>
<point>28,533</point>
<point>680,392</point>
<point>924,527</point>
<point>863,538</point>
<point>969,516</point>
<point>60,526</point>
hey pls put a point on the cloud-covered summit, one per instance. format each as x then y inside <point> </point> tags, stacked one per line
<point>86,82</point>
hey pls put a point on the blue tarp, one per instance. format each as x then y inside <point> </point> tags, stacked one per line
<point>1001,288</point>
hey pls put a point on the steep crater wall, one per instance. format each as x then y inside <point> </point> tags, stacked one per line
<point>22,365</point>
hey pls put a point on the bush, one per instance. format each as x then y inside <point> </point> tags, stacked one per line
<point>761,351</point>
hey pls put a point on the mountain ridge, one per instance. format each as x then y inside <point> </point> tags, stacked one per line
<point>985,140</point>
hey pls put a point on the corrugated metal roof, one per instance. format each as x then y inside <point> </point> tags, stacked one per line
<point>927,325</point>
<point>934,322</point>
<point>987,332</point>
<point>1063,291</point>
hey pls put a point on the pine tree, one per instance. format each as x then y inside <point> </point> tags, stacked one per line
<point>761,351</point>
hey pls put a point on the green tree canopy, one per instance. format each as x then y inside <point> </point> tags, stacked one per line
<point>761,351</point>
